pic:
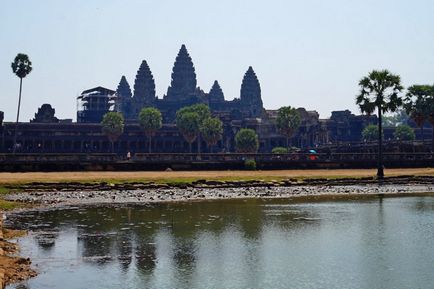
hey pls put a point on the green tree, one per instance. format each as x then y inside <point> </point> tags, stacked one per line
<point>112,126</point>
<point>246,141</point>
<point>151,121</point>
<point>21,67</point>
<point>416,104</point>
<point>279,150</point>
<point>370,132</point>
<point>430,109</point>
<point>404,132</point>
<point>379,90</point>
<point>212,131</point>
<point>188,124</point>
<point>288,121</point>
<point>202,113</point>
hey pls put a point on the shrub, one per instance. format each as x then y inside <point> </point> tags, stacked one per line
<point>250,165</point>
<point>279,150</point>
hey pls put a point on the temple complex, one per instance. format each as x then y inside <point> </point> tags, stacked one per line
<point>46,133</point>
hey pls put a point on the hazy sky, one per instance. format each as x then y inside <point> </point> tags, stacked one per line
<point>307,53</point>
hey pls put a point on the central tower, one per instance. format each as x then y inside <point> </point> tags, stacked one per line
<point>184,82</point>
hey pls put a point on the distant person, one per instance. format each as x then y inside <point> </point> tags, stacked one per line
<point>128,156</point>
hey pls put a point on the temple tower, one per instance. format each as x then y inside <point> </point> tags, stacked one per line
<point>251,94</point>
<point>144,86</point>
<point>183,77</point>
<point>216,93</point>
<point>124,99</point>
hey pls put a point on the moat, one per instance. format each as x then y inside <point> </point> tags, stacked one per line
<point>367,243</point>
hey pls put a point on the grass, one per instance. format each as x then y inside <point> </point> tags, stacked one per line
<point>7,205</point>
<point>10,182</point>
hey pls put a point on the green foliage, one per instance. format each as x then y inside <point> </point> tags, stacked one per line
<point>279,150</point>
<point>22,65</point>
<point>190,119</point>
<point>416,103</point>
<point>112,125</point>
<point>370,132</point>
<point>201,109</point>
<point>188,124</point>
<point>250,165</point>
<point>380,89</point>
<point>288,121</point>
<point>246,141</point>
<point>404,132</point>
<point>151,120</point>
<point>211,130</point>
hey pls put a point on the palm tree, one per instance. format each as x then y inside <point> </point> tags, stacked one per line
<point>212,131</point>
<point>151,120</point>
<point>288,121</point>
<point>112,126</point>
<point>21,66</point>
<point>416,105</point>
<point>188,124</point>
<point>379,90</point>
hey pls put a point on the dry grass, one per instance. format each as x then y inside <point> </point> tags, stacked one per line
<point>20,178</point>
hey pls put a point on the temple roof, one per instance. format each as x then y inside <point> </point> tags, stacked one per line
<point>100,90</point>
<point>144,85</point>
<point>183,76</point>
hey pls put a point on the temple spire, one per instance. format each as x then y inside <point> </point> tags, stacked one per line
<point>144,85</point>
<point>183,77</point>
<point>123,100</point>
<point>123,89</point>
<point>251,93</point>
<point>216,93</point>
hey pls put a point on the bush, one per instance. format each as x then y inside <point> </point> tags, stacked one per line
<point>250,165</point>
<point>404,132</point>
<point>279,150</point>
<point>246,141</point>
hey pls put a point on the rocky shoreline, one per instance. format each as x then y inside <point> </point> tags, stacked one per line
<point>88,194</point>
<point>12,268</point>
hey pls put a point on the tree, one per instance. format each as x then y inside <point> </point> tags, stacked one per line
<point>246,141</point>
<point>112,126</point>
<point>279,150</point>
<point>404,132</point>
<point>212,131</point>
<point>288,121</point>
<point>430,110</point>
<point>416,104</point>
<point>188,124</point>
<point>370,132</point>
<point>379,90</point>
<point>21,67</point>
<point>151,121</point>
<point>202,113</point>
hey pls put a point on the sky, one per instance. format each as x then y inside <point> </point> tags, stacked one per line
<point>307,53</point>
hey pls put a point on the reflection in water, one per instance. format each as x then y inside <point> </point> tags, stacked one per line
<point>374,243</point>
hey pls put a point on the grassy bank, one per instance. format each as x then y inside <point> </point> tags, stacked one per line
<point>11,182</point>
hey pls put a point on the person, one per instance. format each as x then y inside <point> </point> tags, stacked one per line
<point>128,156</point>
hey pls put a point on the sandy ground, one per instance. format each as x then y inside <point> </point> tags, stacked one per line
<point>12,267</point>
<point>11,178</point>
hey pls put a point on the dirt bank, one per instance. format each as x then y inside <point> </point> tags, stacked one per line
<point>20,178</point>
<point>12,267</point>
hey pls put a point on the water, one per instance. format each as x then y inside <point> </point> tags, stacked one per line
<point>368,243</point>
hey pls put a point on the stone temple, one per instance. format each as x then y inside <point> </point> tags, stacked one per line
<point>183,91</point>
<point>47,133</point>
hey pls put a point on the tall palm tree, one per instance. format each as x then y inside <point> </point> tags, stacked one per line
<point>21,67</point>
<point>379,90</point>
<point>416,104</point>
<point>288,121</point>
<point>151,121</point>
